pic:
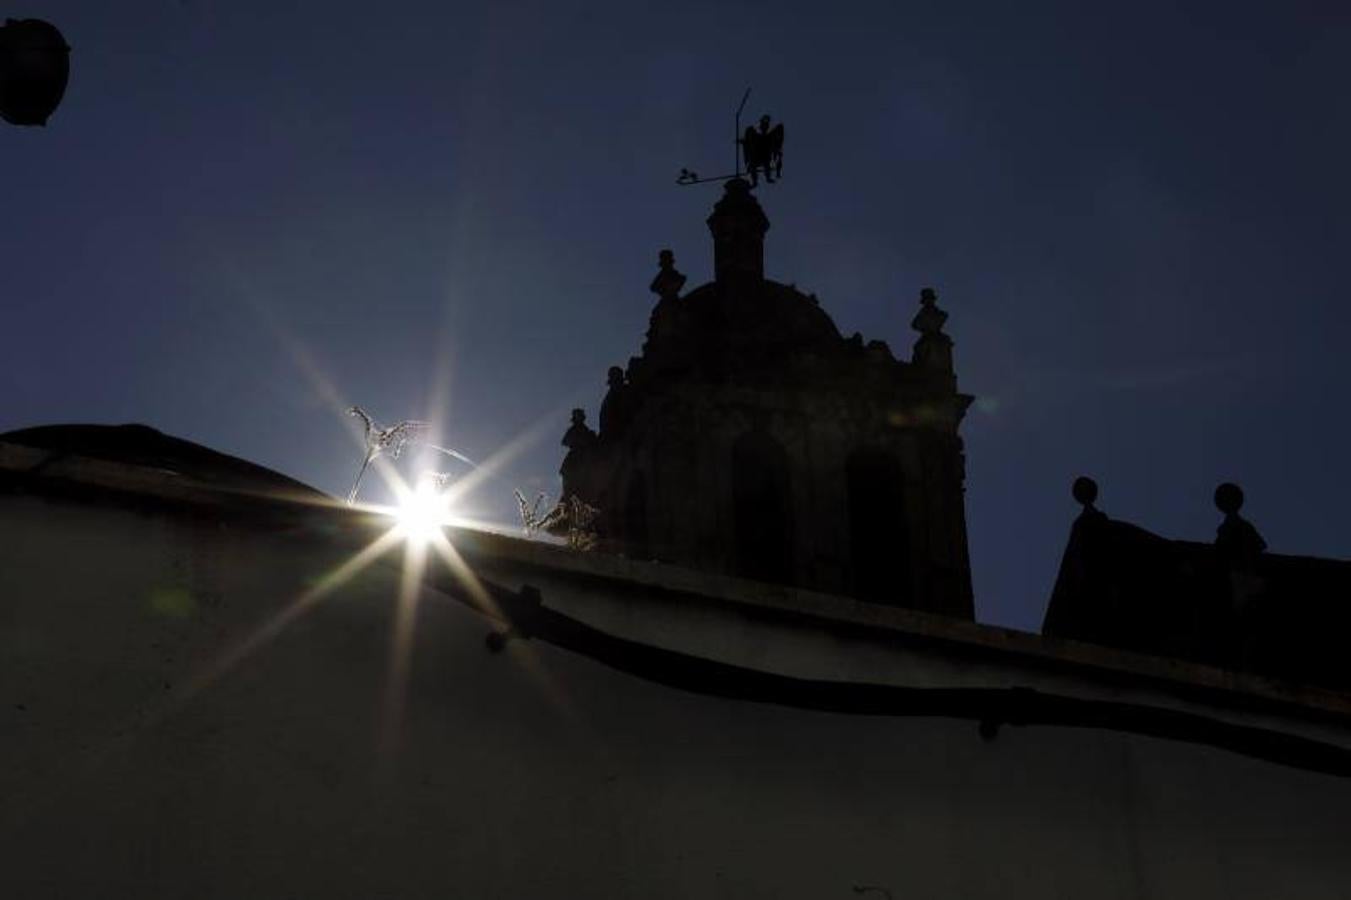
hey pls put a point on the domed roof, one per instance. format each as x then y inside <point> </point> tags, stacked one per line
<point>747,313</point>
<point>759,331</point>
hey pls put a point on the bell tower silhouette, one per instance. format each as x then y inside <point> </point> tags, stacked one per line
<point>750,438</point>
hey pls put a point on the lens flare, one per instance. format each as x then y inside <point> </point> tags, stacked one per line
<point>422,513</point>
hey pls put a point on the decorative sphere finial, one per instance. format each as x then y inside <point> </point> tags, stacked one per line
<point>1229,498</point>
<point>1085,491</point>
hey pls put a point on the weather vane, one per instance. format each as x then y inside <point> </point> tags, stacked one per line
<point>393,440</point>
<point>762,149</point>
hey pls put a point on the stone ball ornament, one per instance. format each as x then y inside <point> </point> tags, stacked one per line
<point>34,69</point>
<point>1229,498</point>
<point>1085,490</point>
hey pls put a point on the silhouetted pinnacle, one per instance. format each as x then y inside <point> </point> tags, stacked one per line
<point>669,280</point>
<point>1236,537</point>
<point>1085,491</point>
<point>738,225</point>
<point>933,350</point>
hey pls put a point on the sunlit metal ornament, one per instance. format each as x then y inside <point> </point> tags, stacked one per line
<point>392,441</point>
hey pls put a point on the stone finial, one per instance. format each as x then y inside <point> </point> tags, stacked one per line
<point>933,350</point>
<point>930,319</point>
<point>1085,492</point>
<point>616,407</point>
<point>668,282</point>
<point>579,469</point>
<point>1236,537</point>
<point>579,435</point>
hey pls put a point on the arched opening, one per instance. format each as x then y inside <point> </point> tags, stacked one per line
<point>878,538</point>
<point>762,509</point>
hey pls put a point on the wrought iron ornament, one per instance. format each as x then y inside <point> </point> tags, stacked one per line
<point>391,442</point>
<point>760,148</point>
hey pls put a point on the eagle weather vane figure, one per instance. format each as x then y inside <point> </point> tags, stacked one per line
<point>761,149</point>
<point>393,440</point>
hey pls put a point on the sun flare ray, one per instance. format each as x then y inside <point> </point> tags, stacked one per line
<point>294,610</point>
<point>401,645</point>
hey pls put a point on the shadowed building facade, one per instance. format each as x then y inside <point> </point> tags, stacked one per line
<point>749,437</point>
<point>212,687</point>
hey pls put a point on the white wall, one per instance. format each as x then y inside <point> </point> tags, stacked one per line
<point>537,772</point>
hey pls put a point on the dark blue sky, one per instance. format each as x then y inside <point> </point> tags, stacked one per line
<point>1136,215</point>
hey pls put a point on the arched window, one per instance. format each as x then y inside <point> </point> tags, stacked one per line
<point>762,508</point>
<point>878,538</point>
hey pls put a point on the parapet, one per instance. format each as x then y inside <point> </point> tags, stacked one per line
<point>1228,603</point>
